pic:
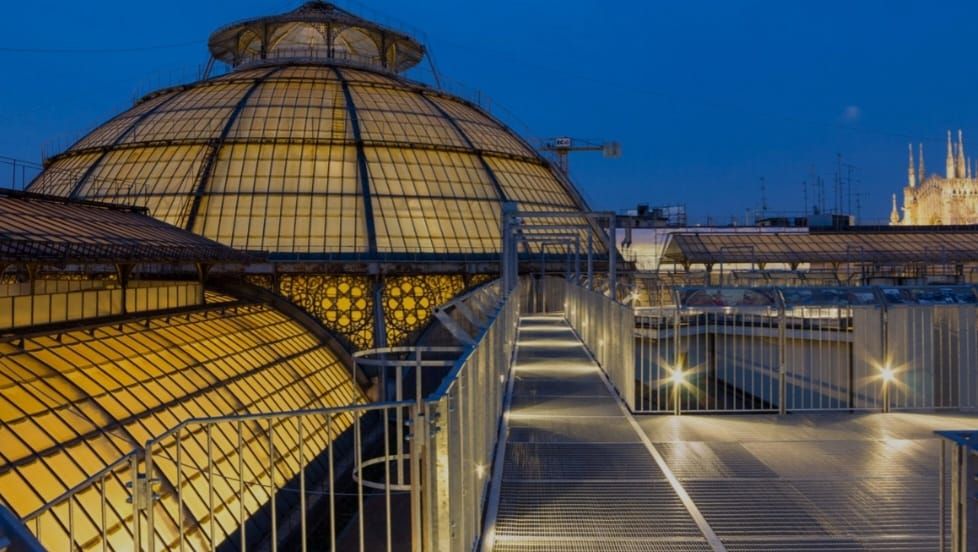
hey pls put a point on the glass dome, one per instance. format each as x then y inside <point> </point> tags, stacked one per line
<point>314,156</point>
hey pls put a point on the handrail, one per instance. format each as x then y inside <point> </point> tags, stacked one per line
<point>365,407</point>
<point>966,439</point>
<point>450,378</point>
<point>459,419</point>
<point>18,537</point>
<point>89,481</point>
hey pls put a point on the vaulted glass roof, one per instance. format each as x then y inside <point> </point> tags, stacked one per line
<point>933,245</point>
<point>76,402</point>
<point>36,228</point>
<point>314,159</point>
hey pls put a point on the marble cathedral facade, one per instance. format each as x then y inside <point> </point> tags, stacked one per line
<point>935,199</point>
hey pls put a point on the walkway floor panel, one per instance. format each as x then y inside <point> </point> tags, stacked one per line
<point>577,476</point>
<point>811,481</point>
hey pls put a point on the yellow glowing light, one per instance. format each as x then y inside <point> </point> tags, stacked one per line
<point>480,470</point>
<point>887,374</point>
<point>678,377</point>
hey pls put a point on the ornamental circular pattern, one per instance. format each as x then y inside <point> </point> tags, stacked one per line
<point>408,301</point>
<point>342,303</point>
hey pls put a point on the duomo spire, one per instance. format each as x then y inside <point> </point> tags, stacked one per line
<point>911,177</point>
<point>921,174</point>
<point>961,169</point>
<point>949,161</point>
<point>937,200</point>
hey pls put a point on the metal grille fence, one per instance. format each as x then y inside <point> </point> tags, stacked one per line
<point>795,349</point>
<point>542,294</point>
<point>606,327</point>
<point>420,473</point>
<point>858,353</point>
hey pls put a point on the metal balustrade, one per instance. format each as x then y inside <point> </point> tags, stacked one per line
<point>789,349</point>
<point>420,469</point>
<point>958,491</point>
<point>780,350</point>
<point>606,327</point>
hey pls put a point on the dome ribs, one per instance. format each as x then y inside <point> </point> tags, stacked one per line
<point>478,152</point>
<point>207,170</point>
<point>74,194</point>
<point>393,142</point>
<point>363,173</point>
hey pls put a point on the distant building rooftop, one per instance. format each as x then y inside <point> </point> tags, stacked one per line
<point>936,245</point>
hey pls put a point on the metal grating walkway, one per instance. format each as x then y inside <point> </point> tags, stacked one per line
<point>577,475</point>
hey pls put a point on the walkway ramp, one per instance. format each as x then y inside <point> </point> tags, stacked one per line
<point>578,474</point>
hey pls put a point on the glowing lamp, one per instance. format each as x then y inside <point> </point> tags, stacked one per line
<point>678,377</point>
<point>887,374</point>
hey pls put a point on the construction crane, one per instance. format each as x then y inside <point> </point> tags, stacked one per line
<point>563,145</point>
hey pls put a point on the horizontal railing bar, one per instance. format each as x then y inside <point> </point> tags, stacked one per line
<point>88,481</point>
<point>366,407</point>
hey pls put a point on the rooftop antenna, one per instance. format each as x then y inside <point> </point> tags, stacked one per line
<point>563,145</point>
<point>837,191</point>
<point>804,194</point>
<point>818,203</point>
<point>763,198</point>
<point>850,184</point>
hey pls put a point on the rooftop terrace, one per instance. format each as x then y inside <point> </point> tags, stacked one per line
<point>581,473</point>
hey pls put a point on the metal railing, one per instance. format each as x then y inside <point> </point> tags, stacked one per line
<point>419,471</point>
<point>958,494</point>
<point>872,349</point>
<point>606,327</point>
<point>782,357</point>
<point>17,174</point>
<point>463,418</point>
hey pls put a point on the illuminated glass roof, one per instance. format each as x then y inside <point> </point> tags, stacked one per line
<point>933,245</point>
<point>35,228</point>
<point>314,155</point>
<point>75,402</point>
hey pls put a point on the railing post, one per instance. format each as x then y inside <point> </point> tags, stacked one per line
<point>942,508</point>
<point>676,355</point>
<point>612,258</point>
<point>963,490</point>
<point>440,461</point>
<point>886,395</point>
<point>134,499</point>
<point>782,361</point>
<point>590,260</point>
<point>419,524</point>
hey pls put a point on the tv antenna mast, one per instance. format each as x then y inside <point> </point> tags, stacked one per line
<point>763,198</point>
<point>563,145</point>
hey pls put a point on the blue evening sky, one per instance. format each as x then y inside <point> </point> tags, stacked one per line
<point>705,97</point>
